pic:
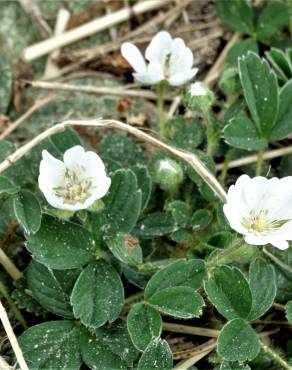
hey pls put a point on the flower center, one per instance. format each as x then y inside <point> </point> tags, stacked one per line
<point>74,189</point>
<point>260,223</point>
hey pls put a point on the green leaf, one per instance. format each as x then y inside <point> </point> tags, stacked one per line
<point>262,283</point>
<point>6,81</point>
<point>144,183</point>
<point>157,355</point>
<point>123,203</point>
<point>201,219</point>
<point>273,17</point>
<point>283,128</point>
<point>260,90</point>
<point>126,248</point>
<point>179,273</point>
<point>241,49</point>
<point>7,186</point>
<point>288,309</point>
<point>65,140</point>
<point>155,224</point>
<point>108,348</point>
<point>98,295</point>
<point>119,151</point>
<point>229,292</point>
<point>237,341</point>
<point>180,212</point>
<point>236,14</point>
<point>51,345</point>
<point>281,63</point>
<point>27,210</point>
<point>52,288</point>
<point>178,301</point>
<point>241,133</point>
<point>184,134</point>
<point>61,245</point>
<point>144,324</point>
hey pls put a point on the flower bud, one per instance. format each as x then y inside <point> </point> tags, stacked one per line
<point>229,82</point>
<point>168,174</point>
<point>199,97</point>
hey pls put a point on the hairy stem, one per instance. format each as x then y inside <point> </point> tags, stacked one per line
<point>217,260</point>
<point>259,163</point>
<point>275,356</point>
<point>226,162</point>
<point>160,108</point>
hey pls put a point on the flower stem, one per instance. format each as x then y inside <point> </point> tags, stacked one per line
<point>217,260</point>
<point>275,356</point>
<point>17,313</point>
<point>227,159</point>
<point>9,266</point>
<point>259,163</point>
<point>160,107</point>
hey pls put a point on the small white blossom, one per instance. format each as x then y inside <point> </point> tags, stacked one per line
<point>198,89</point>
<point>169,59</point>
<point>261,210</point>
<point>76,183</point>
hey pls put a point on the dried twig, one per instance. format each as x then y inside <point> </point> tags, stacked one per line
<point>9,266</point>
<point>90,28</point>
<point>98,90</point>
<point>253,158</point>
<point>4,365</point>
<point>12,338</point>
<point>33,11</point>
<point>186,329</point>
<point>37,105</point>
<point>197,354</point>
<point>190,158</point>
<point>51,69</point>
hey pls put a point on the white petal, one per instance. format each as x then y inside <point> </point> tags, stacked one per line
<point>51,173</point>
<point>181,59</point>
<point>182,78</point>
<point>74,157</point>
<point>134,57</point>
<point>234,218</point>
<point>94,164</point>
<point>159,47</point>
<point>153,75</point>
<point>279,243</point>
<point>255,240</point>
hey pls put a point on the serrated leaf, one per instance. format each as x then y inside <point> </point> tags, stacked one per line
<point>51,345</point>
<point>144,183</point>
<point>180,212</point>
<point>123,203</point>
<point>157,355</point>
<point>155,224</point>
<point>237,341</point>
<point>281,63</point>
<point>52,288</point>
<point>7,186</point>
<point>27,210</point>
<point>273,17</point>
<point>241,49</point>
<point>125,248</point>
<point>179,273</point>
<point>236,14</point>
<point>229,292</point>
<point>201,219</point>
<point>262,283</point>
<point>283,127</point>
<point>61,244</point>
<point>144,324</point>
<point>260,91</point>
<point>98,295</point>
<point>108,348</point>
<point>178,301</point>
<point>241,133</point>
<point>233,366</point>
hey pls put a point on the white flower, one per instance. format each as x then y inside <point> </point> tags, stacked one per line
<point>169,59</point>
<point>261,210</point>
<point>76,183</point>
<point>198,89</point>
